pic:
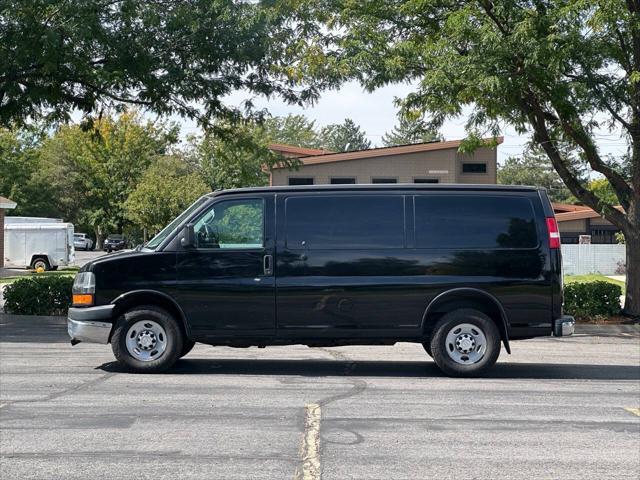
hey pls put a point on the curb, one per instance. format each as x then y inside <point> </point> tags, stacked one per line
<point>605,330</point>
<point>9,319</point>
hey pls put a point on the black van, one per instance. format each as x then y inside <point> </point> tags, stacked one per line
<point>457,268</point>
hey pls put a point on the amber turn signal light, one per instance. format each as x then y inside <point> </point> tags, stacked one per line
<point>82,299</point>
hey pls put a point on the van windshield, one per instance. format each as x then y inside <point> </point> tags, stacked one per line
<point>164,233</point>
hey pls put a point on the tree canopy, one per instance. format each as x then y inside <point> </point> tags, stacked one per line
<point>295,130</point>
<point>560,70</point>
<point>167,57</point>
<point>410,130</point>
<point>534,168</point>
<point>166,188</point>
<point>344,137</point>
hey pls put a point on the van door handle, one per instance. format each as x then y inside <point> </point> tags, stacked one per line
<point>267,264</point>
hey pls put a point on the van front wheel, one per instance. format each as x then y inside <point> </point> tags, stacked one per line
<point>147,339</point>
<point>465,342</point>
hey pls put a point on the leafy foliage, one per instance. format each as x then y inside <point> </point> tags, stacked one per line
<point>410,130</point>
<point>95,168</point>
<point>168,57</point>
<point>591,299</point>
<point>50,295</point>
<point>344,137</point>
<point>295,130</point>
<point>558,69</point>
<point>166,188</point>
<point>20,176</point>
<point>534,168</point>
<point>230,161</point>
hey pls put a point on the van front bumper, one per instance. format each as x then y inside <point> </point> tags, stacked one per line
<point>90,324</point>
<point>564,326</point>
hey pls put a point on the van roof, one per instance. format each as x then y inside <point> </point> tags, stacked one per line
<point>377,187</point>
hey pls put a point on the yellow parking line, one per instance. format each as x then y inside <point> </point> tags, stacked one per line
<point>310,448</point>
<point>635,411</point>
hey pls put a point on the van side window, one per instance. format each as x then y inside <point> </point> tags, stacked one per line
<point>345,222</point>
<point>473,221</point>
<point>231,224</point>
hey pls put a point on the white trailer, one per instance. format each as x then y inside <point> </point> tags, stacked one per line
<point>47,243</point>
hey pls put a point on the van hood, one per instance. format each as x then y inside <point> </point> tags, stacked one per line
<point>119,256</point>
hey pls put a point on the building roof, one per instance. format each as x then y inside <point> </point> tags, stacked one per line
<point>7,204</point>
<point>567,207</point>
<point>292,149</point>
<point>584,212</point>
<point>384,151</point>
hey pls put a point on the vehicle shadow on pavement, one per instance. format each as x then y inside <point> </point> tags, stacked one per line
<point>327,368</point>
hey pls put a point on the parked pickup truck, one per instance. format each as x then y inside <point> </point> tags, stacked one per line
<point>460,269</point>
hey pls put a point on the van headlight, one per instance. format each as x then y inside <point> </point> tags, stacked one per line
<point>84,289</point>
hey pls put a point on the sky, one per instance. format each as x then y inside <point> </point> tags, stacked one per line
<point>376,114</point>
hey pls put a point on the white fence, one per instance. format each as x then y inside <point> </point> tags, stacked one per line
<point>585,259</point>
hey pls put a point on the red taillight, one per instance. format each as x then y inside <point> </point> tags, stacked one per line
<point>554,233</point>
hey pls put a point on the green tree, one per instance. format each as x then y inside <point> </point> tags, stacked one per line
<point>602,188</point>
<point>558,69</point>
<point>170,57</point>
<point>166,188</point>
<point>344,137</point>
<point>95,167</point>
<point>20,176</point>
<point>534,168</point>
<point>239,157</point>
<point>410,130</point>
<point>295,130</point>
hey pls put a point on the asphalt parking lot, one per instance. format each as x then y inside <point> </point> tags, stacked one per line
<point>556,408</point>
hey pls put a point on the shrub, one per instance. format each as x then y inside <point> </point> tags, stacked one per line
<point>49,295</point>
<point>591,299</point>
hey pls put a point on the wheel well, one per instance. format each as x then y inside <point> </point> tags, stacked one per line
<point>150,298</point>
<point>38,256</point>
<point>466,299</point>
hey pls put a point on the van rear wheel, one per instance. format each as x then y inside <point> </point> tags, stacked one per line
<point>465,343</point>
<point>147,339</point>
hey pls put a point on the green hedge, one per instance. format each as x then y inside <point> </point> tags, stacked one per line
<point>591,299</point>
<point>38,296</point>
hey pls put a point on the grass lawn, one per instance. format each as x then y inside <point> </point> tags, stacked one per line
<point>66,272</point>
<point>591,278</point>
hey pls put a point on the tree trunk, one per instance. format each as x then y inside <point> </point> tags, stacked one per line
<point>99,238</point>
<point>632,294</point>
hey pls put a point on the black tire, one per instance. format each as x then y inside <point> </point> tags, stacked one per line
<point>40,262</point>
<point>427,348</point>
<point>174,340</point>
<point>439,347</point>
<point>187,346</point>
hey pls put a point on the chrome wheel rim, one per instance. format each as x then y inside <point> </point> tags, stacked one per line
<point>39,264</point>
<point>146,340</point>
<point>466,344</point>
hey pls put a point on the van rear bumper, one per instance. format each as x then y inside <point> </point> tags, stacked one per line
<point>564,326</point>
<point>92,324</point>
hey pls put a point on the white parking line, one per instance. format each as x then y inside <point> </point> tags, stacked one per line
<point>310,448</point>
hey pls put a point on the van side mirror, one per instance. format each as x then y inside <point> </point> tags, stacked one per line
<point>188,236</point>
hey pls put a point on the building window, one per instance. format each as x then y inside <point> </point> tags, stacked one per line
<point>569,238</point>
<point>474,168</point>
<point>384,180</point>
<point>426,180</point>
<point>603,235</point>
<point>343,181</point>
<point>300,180</point>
